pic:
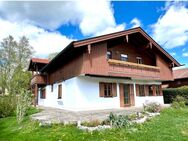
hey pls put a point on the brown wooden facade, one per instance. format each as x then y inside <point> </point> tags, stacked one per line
<point>89,57</point>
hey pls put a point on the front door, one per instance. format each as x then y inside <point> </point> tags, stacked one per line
<point>124,95</point>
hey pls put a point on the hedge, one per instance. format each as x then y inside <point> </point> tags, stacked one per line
<point>170,93</point>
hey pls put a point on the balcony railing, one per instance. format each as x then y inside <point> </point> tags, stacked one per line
<point>133,70</point>
<point>39,79</point>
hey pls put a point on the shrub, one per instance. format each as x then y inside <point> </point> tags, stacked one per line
<point>152,107</point>
<point>7,105</point>
<point>93,123</point>
<point>119,121</point>
<point>23,104</point>
<point>171,93</point>
<point>179,102</point>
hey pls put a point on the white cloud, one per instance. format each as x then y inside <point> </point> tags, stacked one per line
<point>185,54</point>
<point>173,53</point>
<point>184,49</point>
<point>135,22</point>
<point>43,42</point>
<point>171,29</point>
<point>111,29</point>
<point>92,16</point>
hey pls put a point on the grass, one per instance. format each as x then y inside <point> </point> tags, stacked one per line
<point>171,125</point>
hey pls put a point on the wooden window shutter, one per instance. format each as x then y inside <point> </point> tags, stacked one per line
<point>101,89</point>
<point>114,89</point>
<point>137,90</point>
<point>146,90</point>
<point>161,91</point>
<point>132,99</point>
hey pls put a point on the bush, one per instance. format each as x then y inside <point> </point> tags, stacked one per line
<point>119,121</point>
<point>93,123</point>
<point>23,104</point>
<point>171,93</point>
<point>152,107</point>
<point>7,106</point>
<point>179,102</point>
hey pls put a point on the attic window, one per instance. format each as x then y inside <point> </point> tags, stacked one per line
<point>139,60</point>
<point>124,57</point>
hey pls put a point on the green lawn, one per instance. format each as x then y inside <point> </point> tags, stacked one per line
<point>171,125</point>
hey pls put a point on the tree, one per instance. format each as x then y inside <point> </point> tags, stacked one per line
<point>52,55</point>
<point>14,58</point>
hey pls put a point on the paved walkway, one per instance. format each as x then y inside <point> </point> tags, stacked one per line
<point>53,115</point>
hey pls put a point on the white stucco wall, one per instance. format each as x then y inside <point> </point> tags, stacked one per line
<point>82,93</point>
<point>140,100</point>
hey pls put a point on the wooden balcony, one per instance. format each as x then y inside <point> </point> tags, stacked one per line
<point>39,79</point>
<point>133,70</point>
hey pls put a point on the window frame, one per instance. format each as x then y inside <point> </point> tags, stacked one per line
<point>124,57</point>
<point>59,91</point>
<point>43,93</point>
<point>150,90</point>
<point>158,90</point>
<point>109,55</point>
<point>139,60</point>
<point>141,88</point>
<point>108,90</point>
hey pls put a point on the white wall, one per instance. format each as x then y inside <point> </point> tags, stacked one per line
<point>140,100</point>
<point>82,93</point>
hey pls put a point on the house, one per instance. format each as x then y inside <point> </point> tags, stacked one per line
<point>180,79</point>
<point>116,70</point>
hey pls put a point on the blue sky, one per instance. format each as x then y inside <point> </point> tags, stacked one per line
<point>50,26</point>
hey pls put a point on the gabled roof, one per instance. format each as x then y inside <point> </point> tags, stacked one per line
<point>81,43</point>
<point>40,63</point>
<point>39,60</point>
<point>180,73</point>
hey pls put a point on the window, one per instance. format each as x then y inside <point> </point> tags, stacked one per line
<point>52,88</point>
<point>108,89</point>
<point>109,55</point>
<point>141,90</point>
<point>124,57</point>
<point>59,91</point>
<point>150,90</point>
<point>139,60</point>
<point>158,90</point>
<point>43,93</point>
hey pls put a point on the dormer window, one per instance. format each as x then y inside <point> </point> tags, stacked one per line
<point>139,60</point>
<point>109,55</point>
<point>124,57</point>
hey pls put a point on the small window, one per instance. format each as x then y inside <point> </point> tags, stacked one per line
<point>124,57</point>
<point>109,55</point>
<point>59,91</point>
<point>43,93</point>
<point>139,60</point>
<point>141,89</point>
<point>150,90</point>
<point>52,88</point>
<point>108,90</point>
<point>158,90</point>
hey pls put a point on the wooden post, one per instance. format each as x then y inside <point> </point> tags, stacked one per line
<point>36,95</point>
<point>127,38</point>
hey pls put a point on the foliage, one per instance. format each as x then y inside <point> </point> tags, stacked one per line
<point>152,107</point>
<point>119,121</point>
<point>52,55</point>
<point>14,58</point>
<point>23,104</point>
<point>179,102</point>
<point>171,125</point>
<point>171,93</point>
<point>7,106</point>
<point>93,123</point>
